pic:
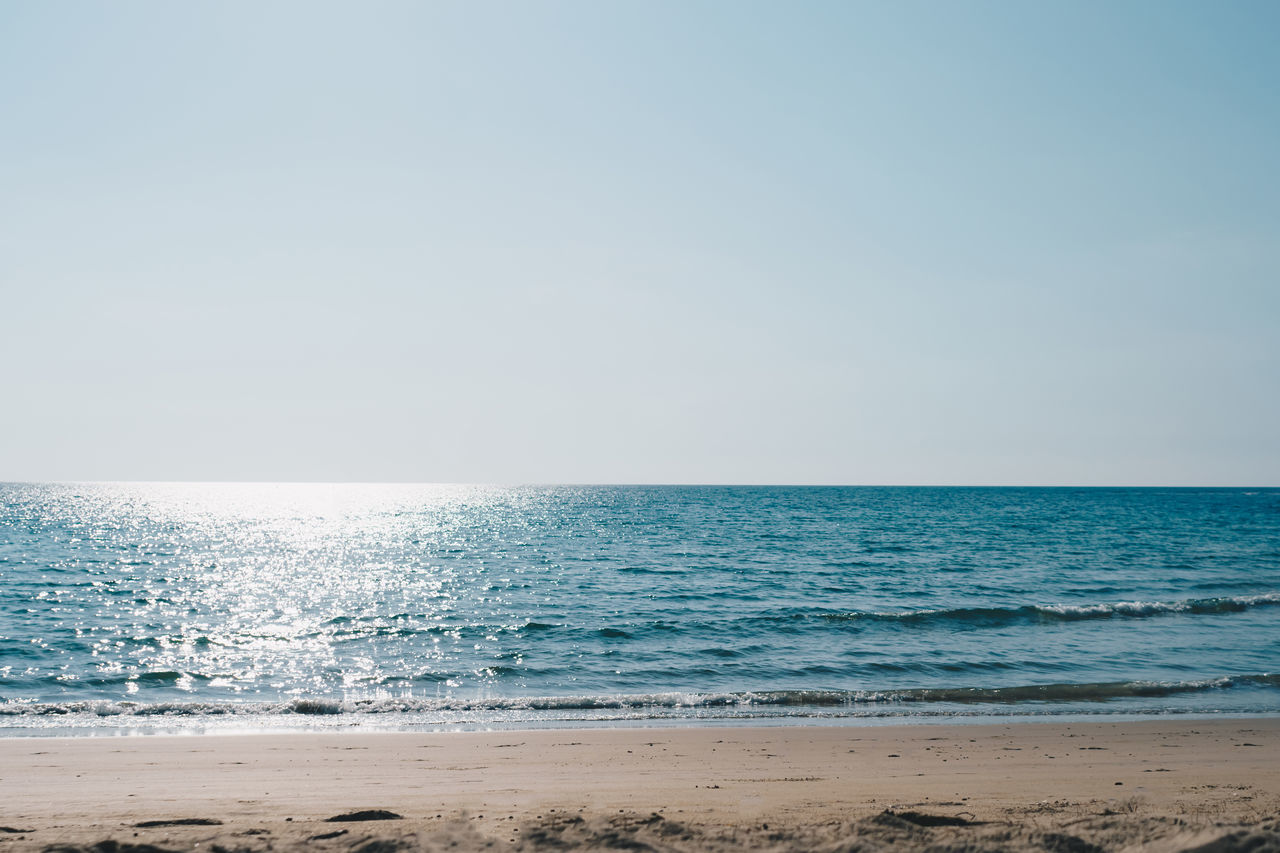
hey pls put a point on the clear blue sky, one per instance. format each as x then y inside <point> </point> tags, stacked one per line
<point>641,242</point>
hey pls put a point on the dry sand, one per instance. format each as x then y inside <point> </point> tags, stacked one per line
<point>1067,788</point>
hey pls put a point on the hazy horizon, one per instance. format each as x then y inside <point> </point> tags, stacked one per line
<point>566,242</point>
<point>637,485</point>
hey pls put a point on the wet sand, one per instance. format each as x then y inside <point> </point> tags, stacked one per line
<point>1077,787</point>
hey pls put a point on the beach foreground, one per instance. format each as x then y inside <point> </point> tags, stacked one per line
<point>1078,787</point>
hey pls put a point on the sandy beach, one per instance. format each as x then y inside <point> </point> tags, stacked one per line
<point>1160,785</point>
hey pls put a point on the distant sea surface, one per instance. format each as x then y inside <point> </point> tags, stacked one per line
<point>212,607</point>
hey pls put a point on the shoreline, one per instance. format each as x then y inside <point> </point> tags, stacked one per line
<point>1161,783</point>
<point>162,725</point>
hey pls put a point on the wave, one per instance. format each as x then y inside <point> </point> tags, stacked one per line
<point>406,625</point>
<point>1042,613</point>
<point>1099,692</point>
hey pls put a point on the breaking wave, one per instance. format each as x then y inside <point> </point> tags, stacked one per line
<point>743,701</point>
<point>1030,614</point>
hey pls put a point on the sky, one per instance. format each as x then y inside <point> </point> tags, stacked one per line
<point>641,242</point>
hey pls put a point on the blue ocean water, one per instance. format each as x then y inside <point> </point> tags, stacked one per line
<point>213,606</point>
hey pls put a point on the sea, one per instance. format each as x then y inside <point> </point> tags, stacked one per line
<point>191,608</point>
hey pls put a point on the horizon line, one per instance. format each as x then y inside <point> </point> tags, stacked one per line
<point>639,484</point>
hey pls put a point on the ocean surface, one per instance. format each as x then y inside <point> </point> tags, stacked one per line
<point>219,607</point>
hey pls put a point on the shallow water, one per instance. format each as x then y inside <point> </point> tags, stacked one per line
<point>401,606</point>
